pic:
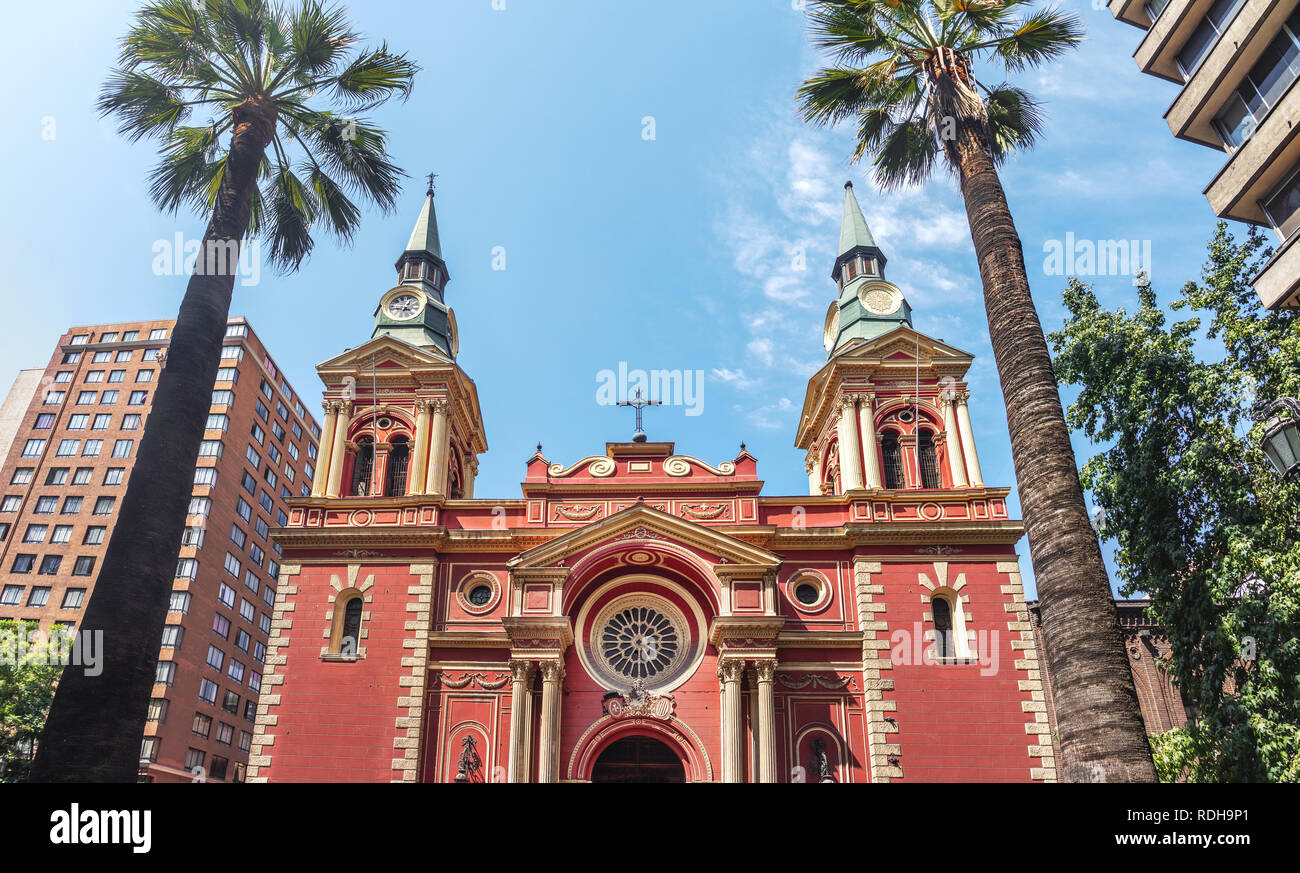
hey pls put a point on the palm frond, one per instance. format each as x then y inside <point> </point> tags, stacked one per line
<point>145,106</point>
<point>374,77</point>
<point>185,173</point>
<point>1015,121</point>
<point>905,156</point>
<point>289,212</point>
<point>1038,38</point>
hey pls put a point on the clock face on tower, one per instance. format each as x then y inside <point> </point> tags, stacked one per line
<point>404,307</point>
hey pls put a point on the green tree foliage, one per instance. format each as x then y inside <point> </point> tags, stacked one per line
<point>27,681</point>
<point>1203,523</point>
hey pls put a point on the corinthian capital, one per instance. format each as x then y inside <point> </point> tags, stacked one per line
<point>552,671</point>
<point>731,669</point>
<point>522,671</point>
<point>439,406</point>
<point>765,670</point>
<point>846,401</point>
<point>961,396</point>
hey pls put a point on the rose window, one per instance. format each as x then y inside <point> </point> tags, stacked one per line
<point>640,638</point>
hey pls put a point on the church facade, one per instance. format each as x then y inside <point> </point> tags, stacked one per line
<point>641,614</point>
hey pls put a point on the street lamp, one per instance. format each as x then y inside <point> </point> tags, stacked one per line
<point>1281,440</point>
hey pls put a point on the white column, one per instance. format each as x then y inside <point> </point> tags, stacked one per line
<point>420,462</point>
<point>850,450</point>
<point>813,464</point>
<point>436,479</point>
<point>730,671</point>
<point>470,474</point>
<point>968,441</point>
<point>548,741</point>
<point>338,453</point>
<point>320,480</point>
<point>765,721</point>
<point>521,718</point>
<point>867,427</point>
<point>952,438</point>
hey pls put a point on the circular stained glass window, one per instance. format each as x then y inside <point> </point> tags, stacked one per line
<point>807,593</point>
<point>641,637</point>
<point>480,595</point>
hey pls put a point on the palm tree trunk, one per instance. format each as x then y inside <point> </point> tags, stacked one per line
<point>96,723</point>
<point>1100,723</point>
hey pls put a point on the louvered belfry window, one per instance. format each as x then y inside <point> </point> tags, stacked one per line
<point>893,456</point>
<point>929,461</point>
<point>398,461</point>
<point>365,462</point>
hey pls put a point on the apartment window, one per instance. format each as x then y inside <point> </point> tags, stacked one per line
<point>232,565</point>
<point>311,447</point>
<point>251,581</point>
<point>11,595</point>
<point>45,421</point>
<point>130,336</point>
<point>93,377</point>
<point>248,482</point>
<point>56,476</point>
<point>246,610</point>
<point>101,357</point>
<point>205,476</point>
<point>144,376</point>
<point>226,595</point>
<point>268,595</point>
<point>113,475</point>
<point>228,374</point>
<point>157,710</point>
<point>194,760</point>
<point>104,505</point>
<point>259,652</point>
<point>221,626</point>
<point>242,640</point>
<point>82,476</point>
<point>215,658</point>
<point>256,554</point>
<point>1207,33</point>
<point>250,710</point>
<point>73,598</point>
<point>53,398</point>
<point>236,671</point>
<point>292,449</point>
<point>83,566</point>
<point>202,726</point>
<point>261,409</point>
<point>281,517</point>
<point>236,330</point>
<point>245,511</point>
<point>264,500</point>
<point>263,529</point>
<point>230,702</point>
<point>277,431</point>
<point>232,353</point>
<point>138,398</point>
<point>268,475</point>
<point>68,448</point>
<point>108,398</point>
<point>62,377</point>
<point>158,333</point>
<point>149,748</point>
<point>4,531</point>
<point>223,398</point>
<point>264,622</point>
<point>219,767</point>
<point>33,448</point>
<point>1283,207</point>
<point>281,410</point>
<point>94,536</point>
<point>192,536</point>
<point>116,376</point>
<point>46,505</point>
<point>245,741</point>
<point>259,434</point>
<point>132,422</point>
<point>10,503</point>
<point>50,565</point>
<point>187,568</point>
<point>39,597</point>
<point>254,680</point>
<point>76,422</point>
<point>200,506</point>
<point>122,357</point>
<point>165,673</point>
<point>35,533</point>
<point>211,449</point>
<point>172,636</point>
<point>92,449</point>
<point>122,448</point>
<point>225,734</point>
<point>71,357</point>
<point>62,534</point>
<point>218,421</point>
<point>1262,87</point>
<point>102,421</point>
<point>151,355</point>
<point>180,602</point>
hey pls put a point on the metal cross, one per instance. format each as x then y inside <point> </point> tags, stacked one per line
<point>431,177</point>
<point>639,403</point>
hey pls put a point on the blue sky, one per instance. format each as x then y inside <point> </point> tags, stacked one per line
<point>674,252</point>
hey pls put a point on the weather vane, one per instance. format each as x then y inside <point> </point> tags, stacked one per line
<point>639,403</point>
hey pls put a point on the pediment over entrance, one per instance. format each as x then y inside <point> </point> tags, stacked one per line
<point>642,522</point>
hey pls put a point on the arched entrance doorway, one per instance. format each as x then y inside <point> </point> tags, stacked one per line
<point>638,759</point>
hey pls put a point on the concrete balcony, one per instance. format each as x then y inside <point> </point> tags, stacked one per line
<point>1254,26</point>
<point>1157,54</point>
<point>1278,284</point>
<point>1261,163</point>
<point>1130,12</point>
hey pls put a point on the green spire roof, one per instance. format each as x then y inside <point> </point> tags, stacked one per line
<point>424,236</point>
<point>853,230</point>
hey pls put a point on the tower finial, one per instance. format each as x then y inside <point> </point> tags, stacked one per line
<point>848,184</point>
<point>431,177</point>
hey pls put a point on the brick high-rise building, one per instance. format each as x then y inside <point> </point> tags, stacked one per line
<point>1235,62</point>
<point>62,484</point>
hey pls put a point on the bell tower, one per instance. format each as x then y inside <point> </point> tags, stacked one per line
<point>414,310</point>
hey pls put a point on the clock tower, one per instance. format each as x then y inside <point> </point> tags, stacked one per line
<point>414,309</point>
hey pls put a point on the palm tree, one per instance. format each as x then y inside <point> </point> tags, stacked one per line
<point>903,73</point>
<point>251,69</point>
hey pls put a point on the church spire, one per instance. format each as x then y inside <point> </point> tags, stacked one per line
<point>867,306</point>
<point>421,262</point>
<point>415,310</point>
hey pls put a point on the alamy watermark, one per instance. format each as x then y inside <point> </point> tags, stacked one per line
<point>23,644</point>
<point>683,388</point>
<point>1104,257</point>
<point>219,257</point>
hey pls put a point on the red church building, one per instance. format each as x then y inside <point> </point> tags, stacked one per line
<point>641,614</point>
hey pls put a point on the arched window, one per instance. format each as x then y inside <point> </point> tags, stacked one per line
<point>362,467</point>
<point>345,636</point>
<point>929,461</point>
<point>943,630</point>
<point>398,462</point>
<point>893,458</point>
